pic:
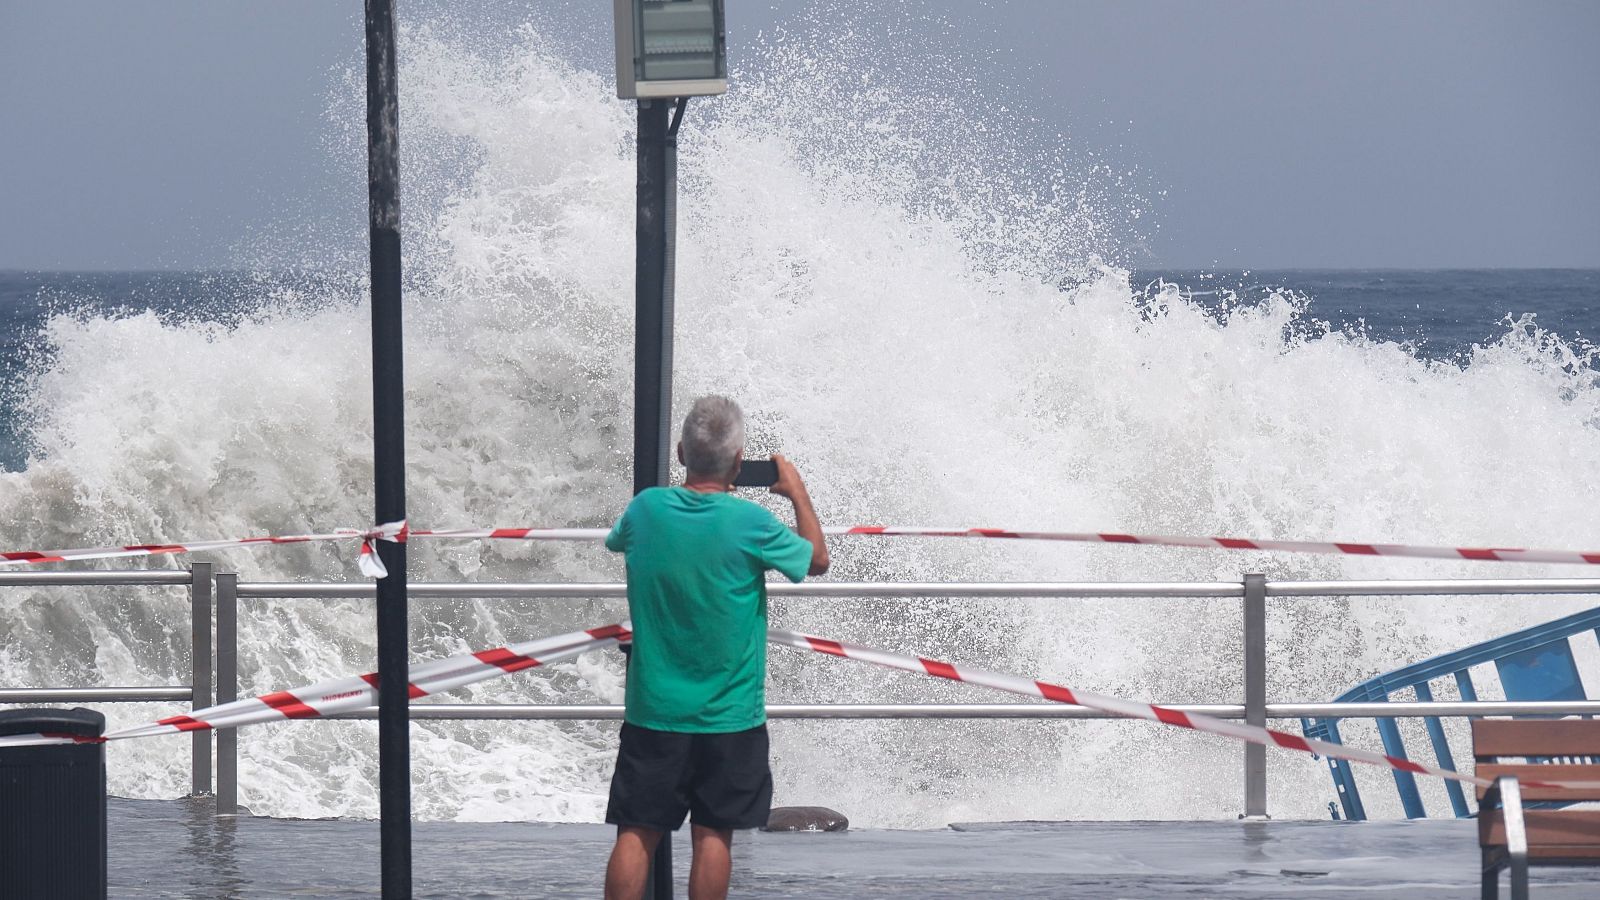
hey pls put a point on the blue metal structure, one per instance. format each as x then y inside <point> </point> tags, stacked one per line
<point>1533,664</point>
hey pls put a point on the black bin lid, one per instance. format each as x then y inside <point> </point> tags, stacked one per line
<point>80,721</point>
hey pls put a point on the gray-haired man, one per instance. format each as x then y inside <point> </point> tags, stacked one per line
<point>694,736</point>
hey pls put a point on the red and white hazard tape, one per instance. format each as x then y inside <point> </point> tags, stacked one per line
<point>369,562</point>
<point>518,534</point>
<point>1482,554</point>
<point>1237,730</point>
<point>1477,554</point>
<point>399,532</point>
<point>339,695</point>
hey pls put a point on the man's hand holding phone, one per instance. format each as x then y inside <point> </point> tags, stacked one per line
<point>788,483</point>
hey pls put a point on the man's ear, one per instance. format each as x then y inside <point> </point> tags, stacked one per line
<point>738,463</point>
<point>681,460</point>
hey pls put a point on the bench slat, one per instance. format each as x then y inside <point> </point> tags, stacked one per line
<point>1567,829</point>
<point>1557,853</point>
<point>1544,772</point>
<point>1535,737</point>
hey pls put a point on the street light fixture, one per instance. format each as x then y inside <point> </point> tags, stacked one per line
<point>670,48</point>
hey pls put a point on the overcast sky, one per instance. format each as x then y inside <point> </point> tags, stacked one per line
<point>1385,134</point>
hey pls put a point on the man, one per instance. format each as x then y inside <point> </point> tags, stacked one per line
<point>694,736</point>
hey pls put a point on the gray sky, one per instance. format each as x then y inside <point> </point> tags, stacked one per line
<point>1284,134</point>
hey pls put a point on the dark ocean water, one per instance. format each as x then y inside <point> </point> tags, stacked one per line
<point>1440,314</point>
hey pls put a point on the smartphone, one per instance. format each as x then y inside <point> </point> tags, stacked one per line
<point>757,473</point>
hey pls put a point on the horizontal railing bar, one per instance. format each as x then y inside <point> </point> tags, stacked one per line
<point>1015,710</point>
<point>95,578</point>
<point>1052,590</point>
<point>1061,590</point>
<point>95,695</point>
<point>787,711</point>
<point>814,589</point>
<point>321,591</point>
<point>1441,708</point>
<point>1064,590</point>
<point>1448,708</point>
<point>1447,587</point>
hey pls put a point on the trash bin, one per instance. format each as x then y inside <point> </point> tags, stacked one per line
<point>53,808</point>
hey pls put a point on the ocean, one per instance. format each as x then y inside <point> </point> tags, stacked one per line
<point>929,349</point>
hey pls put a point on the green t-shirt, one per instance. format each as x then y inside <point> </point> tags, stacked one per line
<point>698,597</point>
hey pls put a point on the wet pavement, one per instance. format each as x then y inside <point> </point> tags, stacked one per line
<point>177,848</point>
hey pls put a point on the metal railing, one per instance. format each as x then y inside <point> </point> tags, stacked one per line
<point>224,592</point>
<point>198,578</point>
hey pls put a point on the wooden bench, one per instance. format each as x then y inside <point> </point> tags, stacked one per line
<point>1513,837</point>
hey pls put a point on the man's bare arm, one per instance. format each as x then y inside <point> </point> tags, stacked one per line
<point>790,485</point>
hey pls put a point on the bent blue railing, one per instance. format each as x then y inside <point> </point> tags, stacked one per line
<point>1533,664</point>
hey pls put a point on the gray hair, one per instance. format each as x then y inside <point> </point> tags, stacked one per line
<point>713,435</point>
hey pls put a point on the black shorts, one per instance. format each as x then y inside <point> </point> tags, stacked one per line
<point>721,781</point>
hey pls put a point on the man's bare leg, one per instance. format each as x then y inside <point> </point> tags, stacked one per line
<point>713,863</point>
<point>630,863</point>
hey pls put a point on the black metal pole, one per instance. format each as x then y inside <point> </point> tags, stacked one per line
<point>389,454</point>
<point>652,347</point>
<point>652,343</point>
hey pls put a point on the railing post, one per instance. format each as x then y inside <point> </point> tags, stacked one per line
<point>1255,694</point>
<point>227,692</point>
<point>200,673</point>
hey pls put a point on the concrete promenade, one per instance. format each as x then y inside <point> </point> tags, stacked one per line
<point>177,849</point>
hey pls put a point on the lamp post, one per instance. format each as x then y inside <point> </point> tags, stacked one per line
<point>667,52</point>
<point>389,451</point>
